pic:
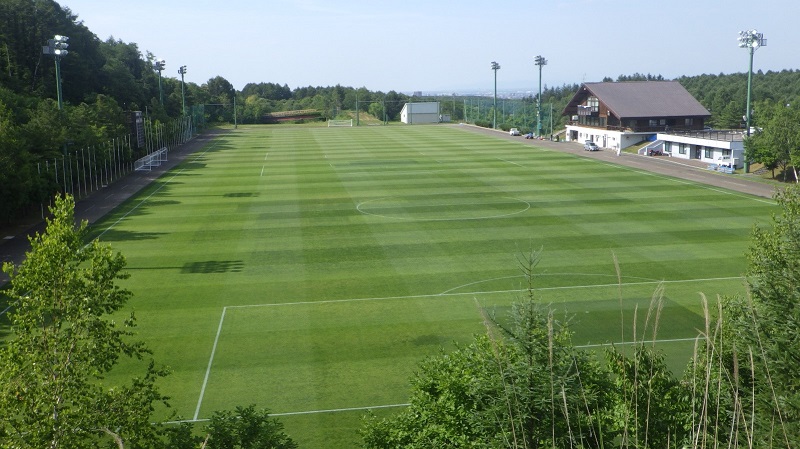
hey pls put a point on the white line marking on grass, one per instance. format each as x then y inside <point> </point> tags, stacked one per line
<point>336,410</point>
<point>543,274</point>
<point>439,295</point>
<point>262,170</point>
<point>490,292</point>
<point>210,361</point>
<point>510,162</point>
<point>308,412</point>
<point>265,156</point>
<point>671,340</point>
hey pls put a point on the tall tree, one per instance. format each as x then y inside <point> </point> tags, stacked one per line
<point>778,144</point>
<point>65,340</point>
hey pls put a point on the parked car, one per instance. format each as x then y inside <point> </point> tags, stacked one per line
<point>590,146</point>
<point>514,132</point>
<point>529,136</point>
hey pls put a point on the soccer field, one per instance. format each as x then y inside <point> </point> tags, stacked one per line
<point>308,270</point>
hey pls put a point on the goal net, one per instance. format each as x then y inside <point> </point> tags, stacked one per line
<point>332,123</point>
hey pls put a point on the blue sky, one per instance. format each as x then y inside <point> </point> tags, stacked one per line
<point>443,46</point>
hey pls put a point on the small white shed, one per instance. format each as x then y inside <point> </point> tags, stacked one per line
<point>418,113</point>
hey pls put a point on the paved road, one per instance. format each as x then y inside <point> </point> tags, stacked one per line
<point>690,170</point>
<point>13,247</point>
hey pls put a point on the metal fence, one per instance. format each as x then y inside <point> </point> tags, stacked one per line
<point>80,172</point>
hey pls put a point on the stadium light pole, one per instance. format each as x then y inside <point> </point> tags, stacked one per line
<point>235,118</point>
<point>182,71</point>
<point>495,67</point>
<point>57,48</point>
<point>539,61</point>
<point>750,39</point>
<point>159,65</point>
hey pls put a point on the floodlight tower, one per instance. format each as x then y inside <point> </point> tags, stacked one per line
<point>750,39</point>
<point>182,71</point>
<point>57,47</point>
<point>539,61</point>
<point>159,65</point>
<point>495,67</point>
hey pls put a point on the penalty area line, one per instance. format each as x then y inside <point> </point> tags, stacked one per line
<point>479,293</point>
<point>627,343</point>
<point>210,362</point>
<point>307,412</point>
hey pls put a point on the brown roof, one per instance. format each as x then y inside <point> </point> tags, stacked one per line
<point>631,99</point>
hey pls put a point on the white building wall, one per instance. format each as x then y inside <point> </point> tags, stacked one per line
<point>605,138</point>
<point>706,150</point>
<point>419,113</point>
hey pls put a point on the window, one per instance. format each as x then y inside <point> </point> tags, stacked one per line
<point>726,153</point>
<point>681,148</point>
<point>688,122</point>
<point>709,153</point>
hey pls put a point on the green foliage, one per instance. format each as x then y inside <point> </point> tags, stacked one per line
<point>774,280</point>
<point>65,340</point>
<point>522,385</point>
<point>744,385</point>
<point>243,428</point>
<point>531,389</point>
<point>650,407</point>
<point>778,144</point>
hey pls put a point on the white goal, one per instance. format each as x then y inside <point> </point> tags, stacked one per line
<point>332,123</point>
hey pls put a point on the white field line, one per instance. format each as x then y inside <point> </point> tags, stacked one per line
<point>335,410</point>
<point>510,162</point>
<point>625,343</point>
<point>307,412</point>
<point>210,361</point>
<point>480,293</point>
<point>439,295</point>
<point>262,170</point>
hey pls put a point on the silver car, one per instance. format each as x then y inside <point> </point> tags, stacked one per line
<point>590,146</point>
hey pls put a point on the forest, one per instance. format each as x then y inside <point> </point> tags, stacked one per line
<point>47,147</point>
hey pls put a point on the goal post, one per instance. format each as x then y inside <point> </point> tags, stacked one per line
<point>333,123</point>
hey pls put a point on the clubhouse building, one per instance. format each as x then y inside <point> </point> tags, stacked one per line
<point>618,115</point>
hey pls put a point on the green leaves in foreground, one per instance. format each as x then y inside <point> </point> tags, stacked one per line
<point>246,428</point>
<point>528,389</point>
<point>65,340</point>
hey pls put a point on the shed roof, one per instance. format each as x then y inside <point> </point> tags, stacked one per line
<point>631,99</point>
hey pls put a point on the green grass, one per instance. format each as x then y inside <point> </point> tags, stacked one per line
<point>320,265</point>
